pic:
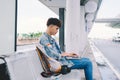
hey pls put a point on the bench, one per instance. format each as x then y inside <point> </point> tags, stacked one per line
<point>25,65</point>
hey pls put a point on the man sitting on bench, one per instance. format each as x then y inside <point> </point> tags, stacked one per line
<point>52,49</point>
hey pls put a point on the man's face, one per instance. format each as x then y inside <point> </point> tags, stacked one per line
<point>53,29</point>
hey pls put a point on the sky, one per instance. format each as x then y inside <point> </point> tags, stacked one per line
<point>108,9</point>
<point>32,17</point>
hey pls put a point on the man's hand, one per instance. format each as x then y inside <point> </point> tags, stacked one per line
<point>65,54</point>
<point>73,55</point>
<point>69,54</point>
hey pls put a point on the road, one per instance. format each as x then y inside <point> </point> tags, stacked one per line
<point>111,50</point>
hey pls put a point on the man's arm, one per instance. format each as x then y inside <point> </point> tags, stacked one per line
<point>50,51</point>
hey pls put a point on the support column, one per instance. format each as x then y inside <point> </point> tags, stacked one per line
<point>75,35</point>
<point>61,31</point>
<point>7,26</point>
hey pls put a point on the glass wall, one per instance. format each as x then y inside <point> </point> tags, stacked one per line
<point>32,17</point>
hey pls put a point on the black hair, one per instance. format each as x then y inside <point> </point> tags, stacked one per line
<point>54,21</point>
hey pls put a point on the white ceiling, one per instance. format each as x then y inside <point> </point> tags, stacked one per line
<point>54,5</point>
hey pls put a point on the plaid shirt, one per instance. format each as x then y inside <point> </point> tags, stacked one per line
<point>52,49</point>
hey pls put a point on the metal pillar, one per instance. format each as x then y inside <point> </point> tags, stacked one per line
<point>61,31</point>
<point>15,46</point>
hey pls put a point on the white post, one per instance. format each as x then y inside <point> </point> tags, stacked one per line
<point>7,26</point>
<point>75,34</point>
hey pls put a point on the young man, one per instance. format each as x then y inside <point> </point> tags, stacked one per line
<point>52,49</point>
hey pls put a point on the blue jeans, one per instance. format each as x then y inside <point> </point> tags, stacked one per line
<point>83,63</point>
